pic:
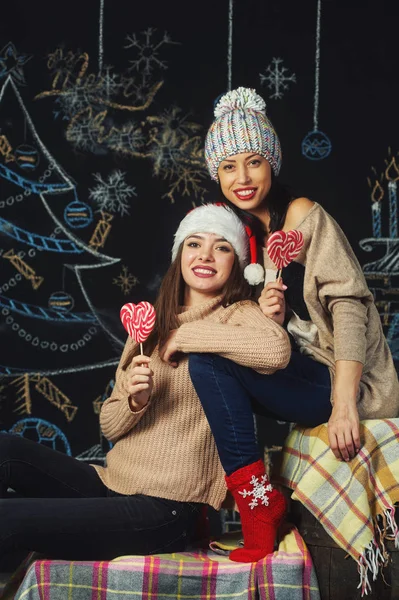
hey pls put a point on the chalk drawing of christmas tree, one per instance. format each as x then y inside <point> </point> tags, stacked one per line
<point>48,323</point>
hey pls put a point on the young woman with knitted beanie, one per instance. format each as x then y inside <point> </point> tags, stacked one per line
<point>164,465</point>
<point>341,369</point>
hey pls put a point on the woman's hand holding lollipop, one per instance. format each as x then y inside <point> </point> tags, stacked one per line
<point>139,320</point>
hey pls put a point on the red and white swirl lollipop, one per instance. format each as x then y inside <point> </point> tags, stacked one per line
<point>138,320</point>
<point>283,247</point>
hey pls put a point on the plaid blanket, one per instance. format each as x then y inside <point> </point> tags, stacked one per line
<point>354,501</point>
<point>201,575</point>
<point>188,576</point>
<point>288,574</point>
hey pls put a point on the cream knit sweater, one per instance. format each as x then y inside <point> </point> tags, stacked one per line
<point>167,449</point>
<point>345,324</point>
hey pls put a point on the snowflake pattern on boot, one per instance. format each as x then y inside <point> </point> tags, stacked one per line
<point>258,491</point>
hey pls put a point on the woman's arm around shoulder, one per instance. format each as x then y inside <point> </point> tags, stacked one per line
<point>242,334</point>
<point>126,405</point>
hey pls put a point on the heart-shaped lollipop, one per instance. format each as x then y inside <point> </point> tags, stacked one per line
<point>283,247</point>
<point>138,320</point>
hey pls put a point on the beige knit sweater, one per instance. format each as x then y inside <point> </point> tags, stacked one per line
<point>345,324</point>
<point>167,449</point>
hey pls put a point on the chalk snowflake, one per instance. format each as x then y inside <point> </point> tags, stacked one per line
<point>173,145</point>
<point>258,491</point>
<point>74,100</point>
<point>109,84</point>
<point>89,92</point>
<point>148,51</point>
<point>277,78</point>
<point>165,160</point>
<point>113,194</point>
<point>83,130</point>
<point>127,140</point>
<point>183,165</point>
<point>125,280</point>
<point>171,127</point>
<point>186,180</point>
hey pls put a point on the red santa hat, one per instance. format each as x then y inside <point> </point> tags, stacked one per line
<point>220,219</point>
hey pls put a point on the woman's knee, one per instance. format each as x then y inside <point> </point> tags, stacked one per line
<point>198,363</point>
<point>205,363</point>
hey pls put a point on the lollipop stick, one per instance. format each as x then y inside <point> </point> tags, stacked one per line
<point>279,274</point>
<point>141,348</point>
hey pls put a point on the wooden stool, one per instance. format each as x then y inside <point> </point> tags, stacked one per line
<point>337,572</point>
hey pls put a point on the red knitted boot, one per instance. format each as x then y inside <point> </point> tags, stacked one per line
<point>261,509</point>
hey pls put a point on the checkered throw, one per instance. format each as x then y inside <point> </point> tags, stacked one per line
<point>285,575</point>
<point>288,574</point>
<point>354,501</point>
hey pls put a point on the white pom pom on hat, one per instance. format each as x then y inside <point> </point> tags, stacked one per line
<point>242,98</point>
<point>220,219</point>
<point>254,273</point>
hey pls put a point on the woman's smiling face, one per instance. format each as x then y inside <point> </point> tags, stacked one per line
<point>206,263</point>
<point>245,180</point>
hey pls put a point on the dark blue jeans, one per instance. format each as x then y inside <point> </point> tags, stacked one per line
<point>63,509</point>
<point>230,394</point>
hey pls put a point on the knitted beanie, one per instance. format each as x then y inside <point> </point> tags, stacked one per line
<point>221,220</point>
<point>241,125</point>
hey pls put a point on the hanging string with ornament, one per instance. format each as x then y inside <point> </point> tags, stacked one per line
<point>316,145</point>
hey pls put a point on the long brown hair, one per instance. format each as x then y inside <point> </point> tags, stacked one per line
<point>171,297</point>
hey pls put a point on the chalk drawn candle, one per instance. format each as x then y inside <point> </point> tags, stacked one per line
<point>392,175</point>
<point>376,196</point>
<point>393,209</point>
<point>376,216</point>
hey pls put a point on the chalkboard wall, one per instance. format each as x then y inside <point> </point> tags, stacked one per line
<point>103,110</point>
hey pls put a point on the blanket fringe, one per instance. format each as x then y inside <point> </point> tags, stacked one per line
<point>375,555</point>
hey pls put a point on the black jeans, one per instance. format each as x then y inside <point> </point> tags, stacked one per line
<point>67,512</point>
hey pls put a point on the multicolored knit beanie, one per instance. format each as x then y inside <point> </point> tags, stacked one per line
<point>241,125</point>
